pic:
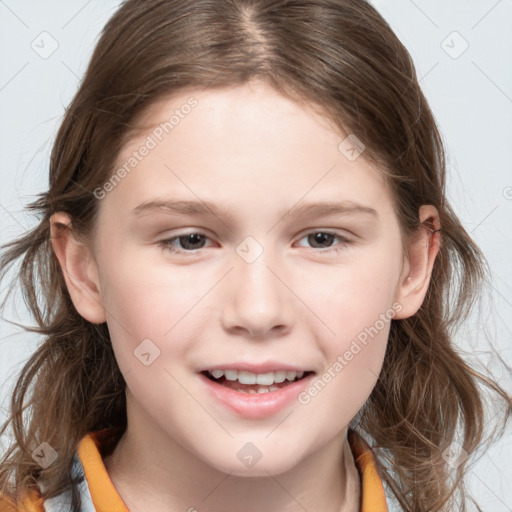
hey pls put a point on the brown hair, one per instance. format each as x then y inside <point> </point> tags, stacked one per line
<point>339,55</point>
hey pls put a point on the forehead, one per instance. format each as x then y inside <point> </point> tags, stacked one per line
<point>252,98</point>
<point>241,141</point>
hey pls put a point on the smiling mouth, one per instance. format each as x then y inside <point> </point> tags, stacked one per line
<point>246,382</point>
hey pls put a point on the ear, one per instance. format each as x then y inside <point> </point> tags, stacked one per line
<point>79,269</point>
<point>417,268</point>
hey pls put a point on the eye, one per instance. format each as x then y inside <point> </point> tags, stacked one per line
<point>323,238</point>
<point>189,242</point>
<point>194,241</point>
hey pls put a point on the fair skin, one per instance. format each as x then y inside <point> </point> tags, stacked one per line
<point>255,154</point>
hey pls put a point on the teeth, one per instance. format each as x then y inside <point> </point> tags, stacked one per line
<point>260,390</point>
<point>247,377</point>
<point>230,374</point>
<point>263,379</point>
<point>279,376</point>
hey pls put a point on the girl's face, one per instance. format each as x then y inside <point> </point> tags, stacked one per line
<point>245,234</point>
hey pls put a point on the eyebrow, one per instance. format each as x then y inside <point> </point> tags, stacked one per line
<point>206,208</point>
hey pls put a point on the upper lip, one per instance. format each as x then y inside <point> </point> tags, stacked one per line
<point>267,367</point>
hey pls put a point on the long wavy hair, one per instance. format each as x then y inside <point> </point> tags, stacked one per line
<point>340,56</point>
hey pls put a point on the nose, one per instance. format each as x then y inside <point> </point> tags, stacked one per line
<point>257,300</point>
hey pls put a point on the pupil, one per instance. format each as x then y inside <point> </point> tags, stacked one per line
<point>317,237</point>
<point>191,239</point>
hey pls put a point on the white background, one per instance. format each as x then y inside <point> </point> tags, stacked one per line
<point>470,93</point>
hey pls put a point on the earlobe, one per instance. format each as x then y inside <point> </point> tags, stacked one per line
<point>423,250</point>
<point>78,268</point>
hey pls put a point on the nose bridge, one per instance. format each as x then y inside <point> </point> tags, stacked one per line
<point>258,300</point>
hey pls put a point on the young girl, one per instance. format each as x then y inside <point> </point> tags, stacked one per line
<point>247,275</point>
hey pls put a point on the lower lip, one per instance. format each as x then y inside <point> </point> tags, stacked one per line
<point>259,405</point>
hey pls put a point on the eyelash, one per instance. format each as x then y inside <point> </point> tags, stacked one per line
<point>167,247</point>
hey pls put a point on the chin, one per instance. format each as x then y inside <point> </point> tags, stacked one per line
<point>262,468</point>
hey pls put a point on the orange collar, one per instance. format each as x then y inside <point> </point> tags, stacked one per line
<point>105,496</point>
<point>373,498</point>
<point>103,493</point>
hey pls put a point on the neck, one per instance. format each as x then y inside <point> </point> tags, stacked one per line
<point>168,477</point>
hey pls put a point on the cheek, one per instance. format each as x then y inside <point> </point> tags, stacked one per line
<point>353,361</point>
<point>146,300</point>
<point>357,307</point>
<point>354,296</point>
